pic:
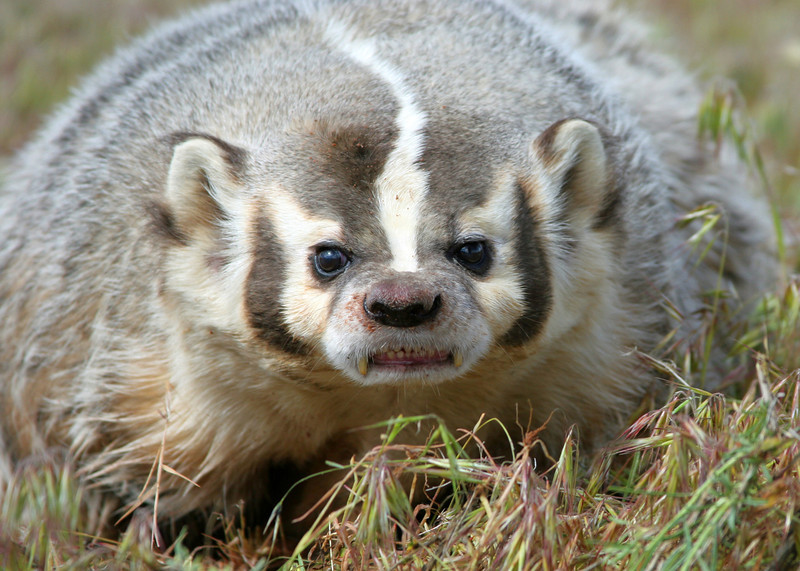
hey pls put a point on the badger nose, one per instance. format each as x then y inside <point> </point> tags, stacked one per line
<point>401,303</point>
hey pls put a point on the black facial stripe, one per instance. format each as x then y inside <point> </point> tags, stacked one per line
<point>534,271</point>
<point>263,291</point>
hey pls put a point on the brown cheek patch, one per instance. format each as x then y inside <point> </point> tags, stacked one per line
<point>263,290</point>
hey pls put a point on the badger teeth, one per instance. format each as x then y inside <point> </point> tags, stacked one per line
<point>405,358</point>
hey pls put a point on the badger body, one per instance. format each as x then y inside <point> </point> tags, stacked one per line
<point>271,223</point>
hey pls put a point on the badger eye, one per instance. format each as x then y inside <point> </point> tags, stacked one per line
<point>473,255</point>
<point>330,261</point>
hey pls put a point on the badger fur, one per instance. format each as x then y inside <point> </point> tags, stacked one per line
<point>273,222</point>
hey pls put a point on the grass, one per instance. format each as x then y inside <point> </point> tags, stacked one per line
<point>705,481</point>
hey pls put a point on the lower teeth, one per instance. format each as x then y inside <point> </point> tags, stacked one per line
<point>363,363</point>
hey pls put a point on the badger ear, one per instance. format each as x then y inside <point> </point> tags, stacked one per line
<point>204,180</point>
<point>572,164</point>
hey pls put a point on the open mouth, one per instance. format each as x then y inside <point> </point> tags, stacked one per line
<point>406,358</point>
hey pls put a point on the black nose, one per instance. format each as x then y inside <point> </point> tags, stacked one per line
<point>398,303</point>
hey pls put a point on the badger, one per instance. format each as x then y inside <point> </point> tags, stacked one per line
<point>270,224</point>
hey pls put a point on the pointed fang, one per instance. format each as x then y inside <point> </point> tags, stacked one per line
<point>362,366</point>
<point>458,359</point>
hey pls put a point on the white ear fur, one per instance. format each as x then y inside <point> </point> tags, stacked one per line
<point>572,163</point>
<point>202,183</point>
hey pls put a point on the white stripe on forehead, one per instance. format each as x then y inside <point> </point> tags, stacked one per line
<point>401,186</point>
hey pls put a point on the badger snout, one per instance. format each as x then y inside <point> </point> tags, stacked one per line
<point>402,302</point>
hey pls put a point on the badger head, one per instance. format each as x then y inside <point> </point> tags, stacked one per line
<point>375,252</point>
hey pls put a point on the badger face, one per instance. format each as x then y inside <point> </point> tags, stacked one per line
<point>388,278</point>
<point>355,250</point>
<point>423,319</point>
<point>381,234</point>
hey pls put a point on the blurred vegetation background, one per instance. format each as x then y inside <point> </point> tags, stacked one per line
<point>46,45</point>
<point>755,43</point>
